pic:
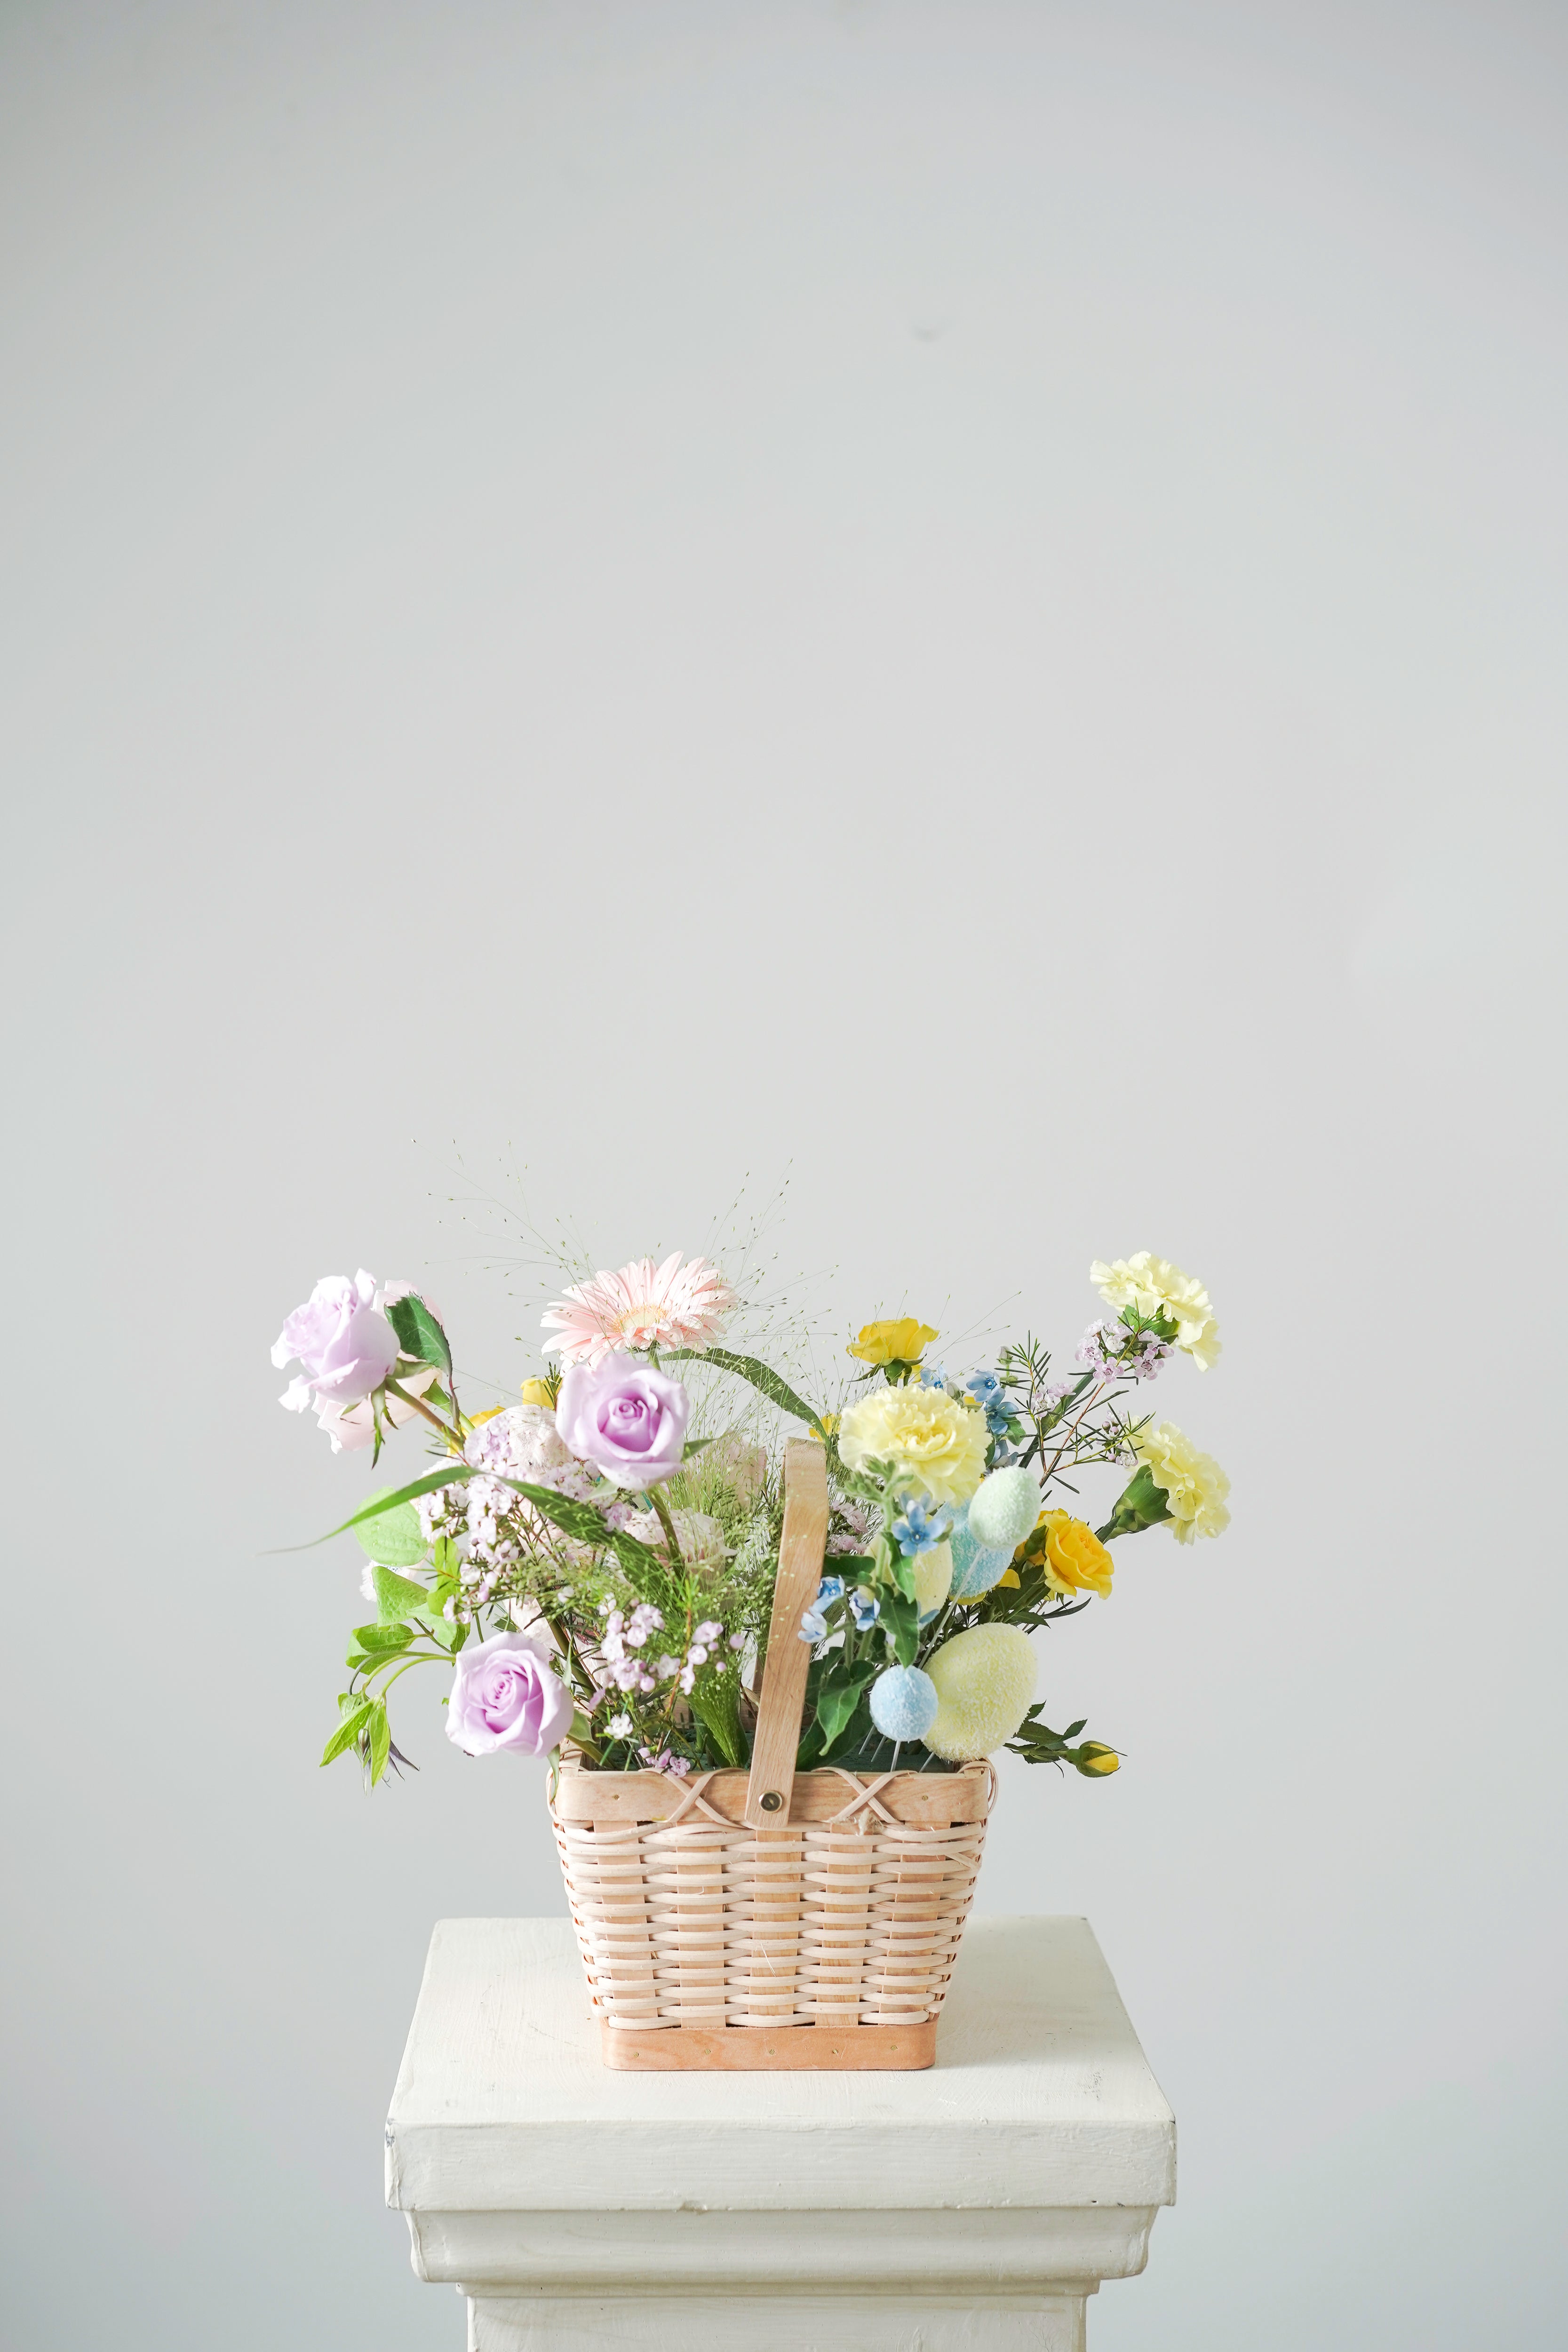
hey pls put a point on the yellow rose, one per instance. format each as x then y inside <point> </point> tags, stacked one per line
<point>935,1443</point>
<point>539,1392</point>
<point>893,1343</point>
<point>1075,1559</point>
<point>1092,1758</point>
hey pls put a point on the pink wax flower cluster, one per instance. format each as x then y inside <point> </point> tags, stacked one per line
<point>627,1419</point>
<point>505,1698</point>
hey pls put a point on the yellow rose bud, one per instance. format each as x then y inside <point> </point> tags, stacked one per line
<point>1096,1761</point>
<point>539,1392</point>
<point>1075,1559</point>
<point>893,1343</point>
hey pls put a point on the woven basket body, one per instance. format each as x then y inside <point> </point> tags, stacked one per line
<point>768,1919</point>
<point>827,1942</point>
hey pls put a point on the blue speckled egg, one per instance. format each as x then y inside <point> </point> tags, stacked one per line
<point>903,1702</point>
<point>975,1566</point>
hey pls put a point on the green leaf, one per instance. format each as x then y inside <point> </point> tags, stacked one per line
<point>394,1538</point>
<point>777,1391</point>
<point>418,1333</point>
<point>839,1696</point>
<point>397,1597</point>
<point>348,1731</point>
<point>381,1504</point>
<point>380,1742</point>
<point>717,1709</point>
<point>902,1616</point>
<point>384,1639</point>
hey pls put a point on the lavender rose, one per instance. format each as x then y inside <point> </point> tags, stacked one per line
<point>346,1346</point>
<point>624,1417</point>
<point>504,1697</point>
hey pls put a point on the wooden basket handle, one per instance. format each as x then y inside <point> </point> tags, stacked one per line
<point>801,1545</point>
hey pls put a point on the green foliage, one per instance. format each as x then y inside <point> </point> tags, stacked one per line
<point>581,1521</point>
<point>748,1368</point>
<point>380,1505</point>
<point>394,1538</point>
<point>397,1597</point>
<point>1036,1743</point>
<point>902,1616</point>
<point>348,1731</point>
<point>418,1333</point>
<point>380,1731</point>
<point>716,1704</point>
<point>839,1695</point>
<point>1142,1504</point>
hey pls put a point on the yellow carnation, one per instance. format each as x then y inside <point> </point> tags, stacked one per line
<point>935,1443</point>
<point>1195,1485</point>
<point>1154,1287</point>
<point>1076,1561</point>
<point>893,1343</point>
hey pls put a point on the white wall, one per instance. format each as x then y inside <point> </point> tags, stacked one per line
<point>963,600</point>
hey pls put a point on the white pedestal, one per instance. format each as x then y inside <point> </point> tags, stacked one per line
<point>976,2205</point>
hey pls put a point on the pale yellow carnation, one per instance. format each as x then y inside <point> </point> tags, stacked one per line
<point>1195,1485</point>
<point>935,1443</point>
<point>1154,1287</point>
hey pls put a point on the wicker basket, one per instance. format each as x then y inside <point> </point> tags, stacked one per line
<point>771,1920</point>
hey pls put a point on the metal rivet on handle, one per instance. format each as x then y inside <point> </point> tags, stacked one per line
<point>772,1801</point>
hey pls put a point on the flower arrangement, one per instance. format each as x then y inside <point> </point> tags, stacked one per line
<point>595,1565</point>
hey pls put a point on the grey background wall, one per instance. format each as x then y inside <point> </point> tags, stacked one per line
<point>963,604</point>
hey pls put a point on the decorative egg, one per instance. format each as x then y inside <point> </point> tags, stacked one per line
<point>975,1566</point>
<point>984,1680</point>
<point>934,1577</point>
<point>903,1702</point>
<point>1005,1507</point>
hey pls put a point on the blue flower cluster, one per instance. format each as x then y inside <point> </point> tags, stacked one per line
<point>920,1528</point>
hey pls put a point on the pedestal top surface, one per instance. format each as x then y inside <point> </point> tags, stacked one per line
<point>1040,2095</point>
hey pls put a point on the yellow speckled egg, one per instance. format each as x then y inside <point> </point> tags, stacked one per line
<point>933,1579</point>
<point>985,1681</point>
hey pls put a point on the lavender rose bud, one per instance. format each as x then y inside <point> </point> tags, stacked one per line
<point>624,1417</point>
<point>504,1697</point>
<point>346,1346</point>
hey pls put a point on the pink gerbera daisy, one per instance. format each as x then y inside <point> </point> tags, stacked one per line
<point>644,1306</point>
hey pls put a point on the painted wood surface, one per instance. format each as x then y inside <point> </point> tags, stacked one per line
<point>1040,2097</point>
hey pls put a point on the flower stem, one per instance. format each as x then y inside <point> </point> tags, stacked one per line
<point>667,1523</point>
<point>419,1405</point>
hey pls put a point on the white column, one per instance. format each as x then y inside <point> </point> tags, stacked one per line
<point>976,2205</point>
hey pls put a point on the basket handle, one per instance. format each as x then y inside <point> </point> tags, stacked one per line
<point>801,1549</point>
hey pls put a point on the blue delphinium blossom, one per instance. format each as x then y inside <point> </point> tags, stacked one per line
<point>988,1392</point>
<point>865,1608</point>
<point>812,1625</point>
<point>920,1528</point>
<point>932,1376</point>
<point>830,1588</point>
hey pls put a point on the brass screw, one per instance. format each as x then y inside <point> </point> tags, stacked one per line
<point>772,1801</point>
